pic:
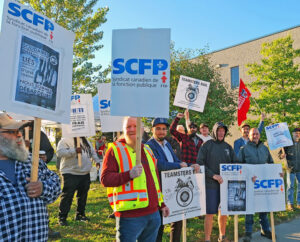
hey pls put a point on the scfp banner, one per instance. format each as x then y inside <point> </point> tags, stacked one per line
<point>36,64</point>
<point>278,136</point>
<point>184,193</point>
<point>140,76</point>
<point>240,195</point>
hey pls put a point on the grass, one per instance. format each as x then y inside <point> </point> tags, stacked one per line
<point>101,228</point>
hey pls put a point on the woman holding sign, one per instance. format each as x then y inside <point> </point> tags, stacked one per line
<point>75,177</point>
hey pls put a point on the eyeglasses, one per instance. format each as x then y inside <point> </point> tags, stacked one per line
<point>15,132</point>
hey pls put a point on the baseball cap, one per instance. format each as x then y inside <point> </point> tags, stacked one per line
<point>157,121</point>
<point>7,122</point>
<point>203,125</point>
<point>193,124</point>
<point>296,130</point>
<point>245,124</point>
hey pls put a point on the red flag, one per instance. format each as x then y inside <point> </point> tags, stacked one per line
<point>244,102</point>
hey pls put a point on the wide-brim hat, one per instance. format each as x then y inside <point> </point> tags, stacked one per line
<point>7,122</point>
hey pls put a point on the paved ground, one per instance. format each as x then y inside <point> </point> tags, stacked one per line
<point>285,232</point>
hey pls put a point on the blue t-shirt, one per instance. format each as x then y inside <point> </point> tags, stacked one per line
<point>8,167</point>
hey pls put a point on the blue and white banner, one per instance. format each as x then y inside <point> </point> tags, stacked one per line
<point>36,62</point>
<point>140,76</point>
<point>278,136</point>
<point>108,123</point>
<point>240,195</point>
<point>82,121</point>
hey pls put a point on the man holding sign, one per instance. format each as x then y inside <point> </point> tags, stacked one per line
<point>133,190</point>
<point>213,153</point>
<point>292,155</point>
<point>23,213</point>
<point>166,160</point>
<point>255,152</point>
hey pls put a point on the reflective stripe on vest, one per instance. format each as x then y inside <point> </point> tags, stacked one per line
<point>132,195</point>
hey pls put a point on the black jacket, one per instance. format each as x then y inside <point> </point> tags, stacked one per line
<point>292,157</point>
<point>212,154</point>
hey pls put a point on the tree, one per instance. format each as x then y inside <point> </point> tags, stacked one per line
<point>220,104</point>
<point>81,17</point>
<point>277,81</point>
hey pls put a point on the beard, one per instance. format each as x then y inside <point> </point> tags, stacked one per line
<point>10,149</point>
<point>192,135</point>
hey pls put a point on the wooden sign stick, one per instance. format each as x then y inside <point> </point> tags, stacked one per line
<point>26,129</point>
<point>184,230</point>
<point>35,149</point>
<point>273,226</point>
<point>78,154</point>
<point>236,228</point>
<point>138,140</point>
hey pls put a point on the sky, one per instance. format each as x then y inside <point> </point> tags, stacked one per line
<point>196,24</point>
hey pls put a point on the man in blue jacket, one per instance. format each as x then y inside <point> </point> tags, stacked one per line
<point>166,160</point>
<point>245,128</point>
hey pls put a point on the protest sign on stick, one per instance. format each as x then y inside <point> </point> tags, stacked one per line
<point>278,136</point>
<point>184,193</point>
<point>82,120</point>
<point>140,72</point>
<point>36,64</point>
<point>191,93</point>
<point>138,141</point>
<point>236,228</point>
<point>35,149</point>
<point>26,129</point>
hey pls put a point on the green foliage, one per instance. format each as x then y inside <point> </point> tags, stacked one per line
<point>277,82</point>
<point>81,17</point>
<point>220,104</point>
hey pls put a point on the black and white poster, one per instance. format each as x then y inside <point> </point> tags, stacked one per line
<point>184,193</point>
<point>37,74</point>
<point>236,195</point>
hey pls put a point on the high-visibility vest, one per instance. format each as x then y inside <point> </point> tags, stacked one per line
<point>132,195</point>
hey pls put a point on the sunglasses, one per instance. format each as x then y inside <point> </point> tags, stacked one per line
<point>15,132</point>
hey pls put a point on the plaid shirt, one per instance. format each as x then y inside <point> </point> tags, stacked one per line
<point>23,218</point>
<point>189,150</point>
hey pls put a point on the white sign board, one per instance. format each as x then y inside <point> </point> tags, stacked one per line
<point>184,193</point>
<point>36,64</point>
<point>108,123</point>
<point>140,76</point>
<point>191,93</point>
<point>239,195</point>
<point>278,136</point>
<point>82,117</point>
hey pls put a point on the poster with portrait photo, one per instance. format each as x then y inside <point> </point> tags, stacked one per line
<point>38,69</point>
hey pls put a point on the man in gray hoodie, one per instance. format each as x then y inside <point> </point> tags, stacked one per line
<point>213,153</point>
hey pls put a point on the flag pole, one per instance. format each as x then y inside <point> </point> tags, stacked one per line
<point>256,105</point>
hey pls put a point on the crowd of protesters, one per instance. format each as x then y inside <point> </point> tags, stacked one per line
<point>138,215</point>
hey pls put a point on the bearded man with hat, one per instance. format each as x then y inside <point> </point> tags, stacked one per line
<point>23,211</point>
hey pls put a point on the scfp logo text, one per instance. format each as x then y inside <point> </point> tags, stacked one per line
<point>139,66</point>
<point>231,167</point>
<point>104,104</point>
<point>267,183</point>
<point>29,16</point>
<point>75,97</point>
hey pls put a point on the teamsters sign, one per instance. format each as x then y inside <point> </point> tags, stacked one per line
<point>140,72</point>
<point>35,64</point>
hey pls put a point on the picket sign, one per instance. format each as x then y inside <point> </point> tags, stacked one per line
<point>35,149</point>
<point>79,154</point>
<point>138,140</point>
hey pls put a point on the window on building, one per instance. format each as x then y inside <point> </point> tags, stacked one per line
<point>235,77</point>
